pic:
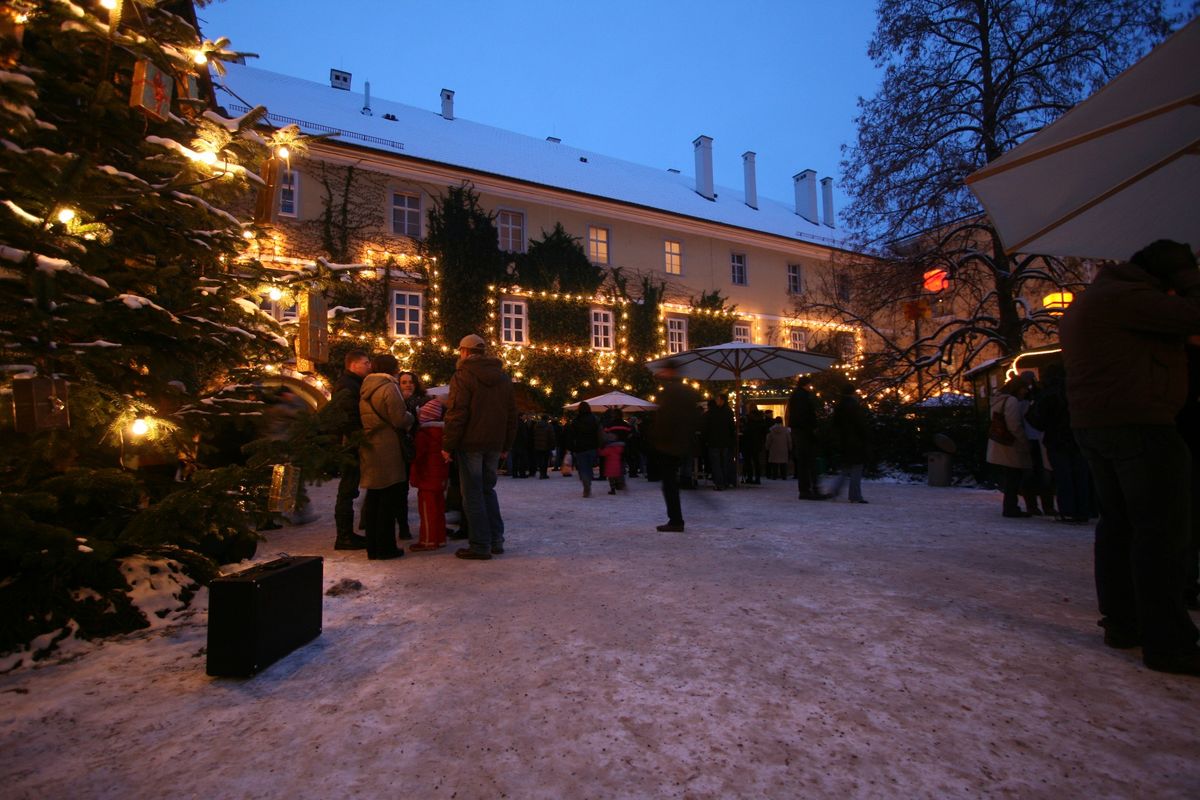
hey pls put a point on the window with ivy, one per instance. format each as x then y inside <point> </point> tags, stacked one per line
<point>741,333</point>
<point>406,313</point>
<point>676,334</point>
<point>406,214</point>
<point>798,338</point>
<point>510,228</point>
<point>597,244</point>
<point>289,184</point>
<point>602,329</point>
<point>514,318</point>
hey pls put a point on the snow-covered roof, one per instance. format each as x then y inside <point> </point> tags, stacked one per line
<point>427,135</point>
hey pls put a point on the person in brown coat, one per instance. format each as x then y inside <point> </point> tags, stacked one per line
<point>480,426</point>
<point>384,473</point>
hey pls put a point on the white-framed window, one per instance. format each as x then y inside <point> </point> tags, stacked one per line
<point>737,269</point>
<point>406,214</point>
<point>676,334</point>
<point>407,315</point>
<point>673,257</point>
<point>741,333</point>
<point>597,244</point>
<point>514,322</point>
<point>289,193</point>
<point>510,226</point>
<point>602,329</point>
<point>795,279</point>
<point>798,338</point>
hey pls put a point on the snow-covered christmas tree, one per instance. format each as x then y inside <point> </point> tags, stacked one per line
<point>126,310</point>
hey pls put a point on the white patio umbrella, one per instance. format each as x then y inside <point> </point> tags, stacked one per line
<point>626,402</point>
<point>741,361</point>
<point>1118,171</point>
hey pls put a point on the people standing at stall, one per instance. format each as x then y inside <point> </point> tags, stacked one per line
<point>1007,446</point>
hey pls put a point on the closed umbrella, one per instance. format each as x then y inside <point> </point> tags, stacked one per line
<point>1118,171</point>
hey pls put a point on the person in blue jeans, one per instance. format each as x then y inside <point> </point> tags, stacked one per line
<point>480,427</point>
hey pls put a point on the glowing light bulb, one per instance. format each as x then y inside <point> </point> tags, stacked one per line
<point>274,294</point>
<point>139,427</point>
<point>199,57</point>
<point>65,215</point>
<point>283,153</point>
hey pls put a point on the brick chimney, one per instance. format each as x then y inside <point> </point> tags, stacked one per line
<point>751,181</point>
<point>447,103</point>
<point>704,169</point>
<point>806,195</point>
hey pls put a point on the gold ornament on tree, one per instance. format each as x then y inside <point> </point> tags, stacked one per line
<point>312,336</point>
<point>285,488</point>
<point>152,90</point>
<point>40,404</point>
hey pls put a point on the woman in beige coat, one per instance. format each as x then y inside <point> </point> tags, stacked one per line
<point>1014,458</point>
<point>384,473</point>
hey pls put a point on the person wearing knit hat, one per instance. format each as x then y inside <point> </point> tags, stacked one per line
<point>1123,345</point>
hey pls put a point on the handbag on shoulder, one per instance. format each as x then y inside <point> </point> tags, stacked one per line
<point>998,430</point>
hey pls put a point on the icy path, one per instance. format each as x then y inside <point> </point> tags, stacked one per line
<point>919,646</point>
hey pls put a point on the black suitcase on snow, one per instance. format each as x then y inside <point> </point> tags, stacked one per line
<point>261,614</point>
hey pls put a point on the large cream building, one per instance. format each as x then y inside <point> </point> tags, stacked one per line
<point>759,252</point>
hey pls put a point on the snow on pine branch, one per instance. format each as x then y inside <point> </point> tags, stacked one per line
<point>136,301</point>
<point>200,202</point>
<point>48,264</point>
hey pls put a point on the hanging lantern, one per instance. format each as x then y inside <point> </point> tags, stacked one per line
<point>312,336</point>
<point>187,88</point>
<point>39,404</point>
<point>152,90</point>
<point>935,280</point>
<point>285,488</point>
<point>1057,302</point>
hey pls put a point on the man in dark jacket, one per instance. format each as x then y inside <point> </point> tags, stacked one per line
<point>480,425</point>
<point>1123,348</point>
<point>345,398</point>
<point>671,436</point>
<point>802,419</point>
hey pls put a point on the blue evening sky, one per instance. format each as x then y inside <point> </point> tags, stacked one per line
<point>636,80</point>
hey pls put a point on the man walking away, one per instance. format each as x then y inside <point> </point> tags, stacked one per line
<point>345,398</point>
<point>671,436</point>
<point>480,425</point>
<point>1123,347</point>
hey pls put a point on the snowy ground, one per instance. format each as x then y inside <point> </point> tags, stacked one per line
<point>919,646</point>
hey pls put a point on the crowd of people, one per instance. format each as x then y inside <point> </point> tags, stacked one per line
<point>1113,433</point>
